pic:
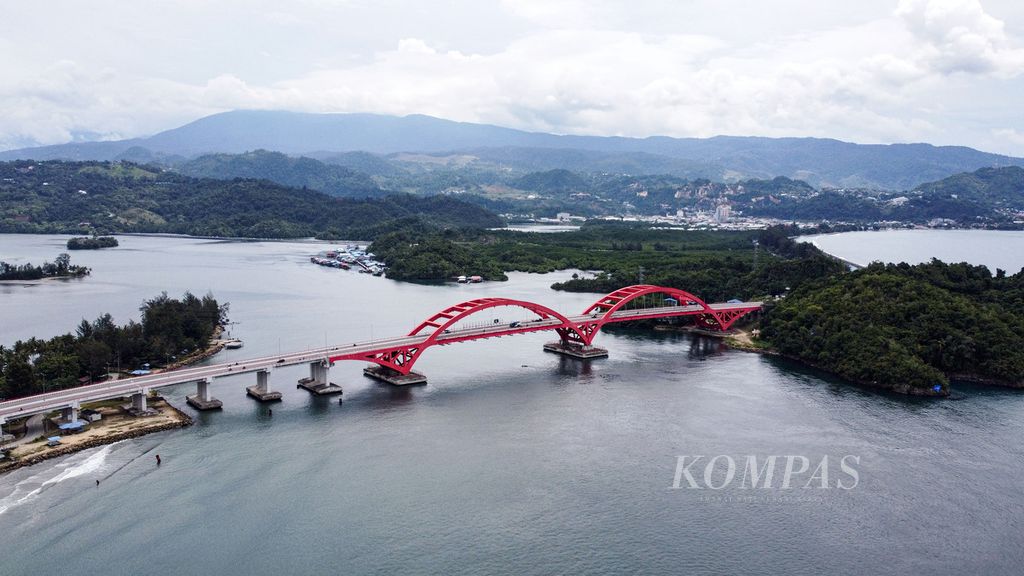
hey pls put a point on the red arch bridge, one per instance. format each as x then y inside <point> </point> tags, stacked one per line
<point>392,359</point>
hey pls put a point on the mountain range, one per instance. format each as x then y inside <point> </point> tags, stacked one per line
<point>821,162</point>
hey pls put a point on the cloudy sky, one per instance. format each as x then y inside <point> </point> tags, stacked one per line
<point>939,71</point>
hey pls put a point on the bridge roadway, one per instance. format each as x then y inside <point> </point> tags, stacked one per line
<point>142,384</point>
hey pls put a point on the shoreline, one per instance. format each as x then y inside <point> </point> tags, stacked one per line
<point>170,417</point>
<point>744,343</point>
<point>40,281</point>
<point>122,426</point>
<point>904,390</point>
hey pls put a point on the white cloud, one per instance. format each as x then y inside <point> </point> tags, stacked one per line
<point>916,70</point>
<point>959,36</point>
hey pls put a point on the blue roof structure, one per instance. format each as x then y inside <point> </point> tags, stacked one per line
<point>76,425</point>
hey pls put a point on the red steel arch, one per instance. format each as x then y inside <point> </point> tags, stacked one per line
<point>399,354</point>
<point>402,358</point>
<point>602,310</point>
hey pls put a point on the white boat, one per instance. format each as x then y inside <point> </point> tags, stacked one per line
<point>234,344</point>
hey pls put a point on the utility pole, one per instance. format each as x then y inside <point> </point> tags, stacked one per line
<point>640,275</point>
<point>756,245</point>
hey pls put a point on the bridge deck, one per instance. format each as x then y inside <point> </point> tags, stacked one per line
<point>358,350</point>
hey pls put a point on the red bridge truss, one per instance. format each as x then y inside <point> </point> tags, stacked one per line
<point>400,353</point>
<point>641,302</point>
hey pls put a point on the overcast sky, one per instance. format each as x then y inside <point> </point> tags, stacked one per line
<point>939,71</point>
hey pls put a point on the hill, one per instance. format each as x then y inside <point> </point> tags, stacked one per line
<point>821,162</point>
<point>997,188</point>
<point>906,328</point>
<point>75,197</point>
<point>552,181</point>
<point>274,166</point>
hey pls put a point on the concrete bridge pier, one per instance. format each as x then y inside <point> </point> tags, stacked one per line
<point>4,438</point>
<point>70,414</point>
<point>139,404</point>
<point>574,350</point>
<point>261,391</point>
<point>393,377</point>
<point>202,400</point>
<point>318,382</point>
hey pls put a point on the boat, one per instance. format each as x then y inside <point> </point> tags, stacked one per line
<point>461,280</point>
<point>233,344</point>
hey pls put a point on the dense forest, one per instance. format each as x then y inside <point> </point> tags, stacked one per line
<point>59,268</point>
<point>57,197</point>
<point>169,328</point>
<point>907,328</point>
<point>714,265</point>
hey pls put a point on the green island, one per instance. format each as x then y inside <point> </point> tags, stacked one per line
<point>171,331</point>
<point>93,243</point>
<point>717,265</point>
<point>906,328</point>
<point>59,268</point>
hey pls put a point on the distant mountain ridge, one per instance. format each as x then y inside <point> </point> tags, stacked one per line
<point>815,160</point>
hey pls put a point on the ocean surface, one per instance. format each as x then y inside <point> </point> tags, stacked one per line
<point>510,460</point>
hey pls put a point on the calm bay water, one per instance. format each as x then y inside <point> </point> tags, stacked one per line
<point>995,249</point>
<point>510,460</point>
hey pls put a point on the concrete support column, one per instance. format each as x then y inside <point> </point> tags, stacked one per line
<point>261,391</point>
<point>319,379</point>
<point>70,414</point>
<point>202,400</point>
<point>317,373</point>
<point>139,401</point>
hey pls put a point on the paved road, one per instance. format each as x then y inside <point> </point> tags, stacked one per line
<point>33,430</point>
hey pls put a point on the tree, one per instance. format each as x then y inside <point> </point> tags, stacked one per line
<point>19,377</point>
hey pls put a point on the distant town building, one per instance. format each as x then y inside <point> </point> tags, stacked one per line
<point>722,213</point>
